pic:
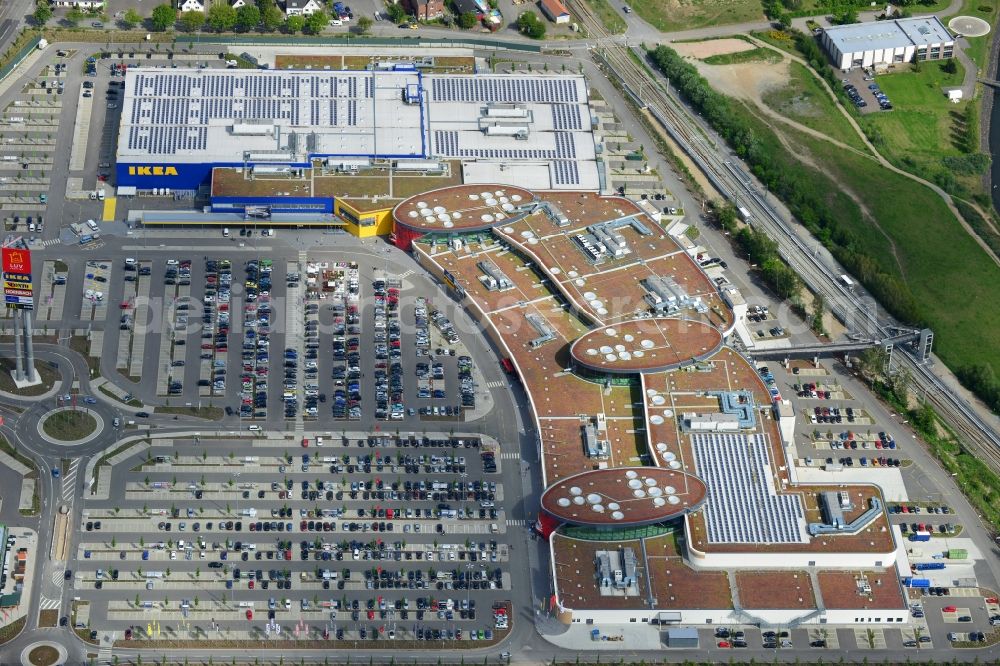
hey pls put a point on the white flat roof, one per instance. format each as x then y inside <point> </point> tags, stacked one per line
<point>919,31</point>
<point>282,116</point>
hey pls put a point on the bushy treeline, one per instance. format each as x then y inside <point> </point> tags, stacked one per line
<point>806,192</point>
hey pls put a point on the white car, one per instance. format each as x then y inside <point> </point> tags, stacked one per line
<point>336,22</point>
<point>255,428</point>
<point>172,262</point>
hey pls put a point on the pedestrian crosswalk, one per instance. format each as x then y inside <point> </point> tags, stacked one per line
<point>510,455</point>
<point>51,241</point>
<point>69,481</point>
<point>497,383</point>
<point>104,654</point>
<point>406,274</point>
<point>48,604</point>
<point>517,522</point>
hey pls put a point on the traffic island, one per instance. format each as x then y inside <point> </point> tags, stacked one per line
<point>43,654</point>
<point>69,425</point>
<point>45,378</point>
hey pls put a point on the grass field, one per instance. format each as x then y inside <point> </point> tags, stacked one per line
<point>804,100</point>
<point>673,15</point>
<point>916,237</point>
<point>822,7</point>
<point>69,425</point>
<point>977,46</point>
<point>740,57</point>
<point>923,126</point>
<point>610,19</point>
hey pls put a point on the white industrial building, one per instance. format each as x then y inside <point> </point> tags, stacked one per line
<point>888,42</point>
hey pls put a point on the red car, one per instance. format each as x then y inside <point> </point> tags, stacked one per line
<point>949,609</point>
<point>249,614</point>
<point>724,644</point>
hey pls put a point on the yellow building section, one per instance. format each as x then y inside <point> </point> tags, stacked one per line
<point>110,204</point>
<point>365,224</point>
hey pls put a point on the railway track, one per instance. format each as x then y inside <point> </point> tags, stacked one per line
<point>711,157</point>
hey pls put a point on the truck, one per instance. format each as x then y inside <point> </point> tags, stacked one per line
<point>920,535</point>
<point>744,214</point>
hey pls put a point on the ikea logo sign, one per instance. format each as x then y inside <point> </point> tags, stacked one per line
<point>152,171</point>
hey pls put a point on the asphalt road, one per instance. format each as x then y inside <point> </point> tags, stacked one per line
<point>506,421</point>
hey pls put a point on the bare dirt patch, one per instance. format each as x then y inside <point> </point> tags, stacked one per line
<point>749,81</point>
<point>48,618</point>
<point>711,47</point>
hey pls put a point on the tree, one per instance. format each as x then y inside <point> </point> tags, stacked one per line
<point>315,22</point>
<point>247,18</point>
<point>270,18</point>
<point>529,24</point>
<point>73,17</point>
<point>163,18</point>
<point>396,14</point>
<point>850,15</point>
<point>42,13</point>
<point>130,19</point>
<point>364,24</point>
<point>221,17</point>
<point>192,21</point>
<point>467,20</point>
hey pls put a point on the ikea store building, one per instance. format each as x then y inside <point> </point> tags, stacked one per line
<point>261,138</point>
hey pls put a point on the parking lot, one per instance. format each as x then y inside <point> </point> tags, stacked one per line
<point>350,538</point>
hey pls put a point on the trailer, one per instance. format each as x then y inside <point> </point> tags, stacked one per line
<point>922,535</point>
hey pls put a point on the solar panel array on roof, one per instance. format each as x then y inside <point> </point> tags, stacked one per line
<point>477,89</point>
<point>565,117</point>
<point>743,505</point>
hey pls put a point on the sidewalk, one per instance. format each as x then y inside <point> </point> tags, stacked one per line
<point>577,636</point>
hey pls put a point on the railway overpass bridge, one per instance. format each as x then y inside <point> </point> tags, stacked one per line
<point>919,343</point>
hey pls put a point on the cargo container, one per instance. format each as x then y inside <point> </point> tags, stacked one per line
<point>920,536</point>
<point>957,554</point>
<point>928,566</point>
<point>922,583</point>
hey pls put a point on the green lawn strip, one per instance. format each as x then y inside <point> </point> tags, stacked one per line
<point>131,403</point>
<point>46,373</point>
<point>939,259</point>
<point>673,15</point>
<point>208,412</point>
<point>740,57</point>
<point>806,101</point>
<point>11,630</point>
<point>610,19</point>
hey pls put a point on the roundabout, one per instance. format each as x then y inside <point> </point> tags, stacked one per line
<point>67,426</point>
<point>43,654</point>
